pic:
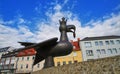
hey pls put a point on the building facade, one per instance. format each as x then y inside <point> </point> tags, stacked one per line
<point>100,47</point>
<point>74,57</point>
<point>24,62</point>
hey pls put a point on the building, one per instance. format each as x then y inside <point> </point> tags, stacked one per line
<point>25,61</point>
<point>19,63</point>
<point>75,56</point>
<point>100,47</point>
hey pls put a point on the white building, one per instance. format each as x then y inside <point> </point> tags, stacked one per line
<point>24,64</point>
<point>100,47</point>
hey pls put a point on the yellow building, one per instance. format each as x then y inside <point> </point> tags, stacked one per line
<point>75,56</point>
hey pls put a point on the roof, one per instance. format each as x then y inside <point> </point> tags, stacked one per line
<point>28,52</point>
<point>75,44</point>
<point>4,49</point>
<point>100,38</point>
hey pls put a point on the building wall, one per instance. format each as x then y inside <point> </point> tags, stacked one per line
<point>75,56</point>
<point>24,64</point>
<point>100,48</point>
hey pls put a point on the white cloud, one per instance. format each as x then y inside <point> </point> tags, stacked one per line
<point>57,7</point>
<point>101,27</point>
<point>6,22</point>
<point>10,36</point>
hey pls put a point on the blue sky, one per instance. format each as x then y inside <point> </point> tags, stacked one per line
<point>37,20</point>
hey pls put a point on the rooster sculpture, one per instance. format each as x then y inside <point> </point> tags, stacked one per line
<point>52,48</point>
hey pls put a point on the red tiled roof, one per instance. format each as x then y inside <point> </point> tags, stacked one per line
<point>28,52</point>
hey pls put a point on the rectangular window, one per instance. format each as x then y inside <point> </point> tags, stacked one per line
<point>111,42</point>
<point>18,58</point>
<point>58,63</point>
<point>88,44</point>
<point>75,61</point>
<point>98,51</point>
<point>114,50</point>
<point>27,58</point>
<point>109,51</point>
<point>118,41</point>
<point>22,58</point>
<point>26,65</point>
<point>21,66</point>
<point>101,43</point>
<point>107,42</point>
<point>103,51</point>
<point>64,63</point>
<point>33,57</point>
<point>70,62</point>
<point>96,43</point>
<point>89,52</point>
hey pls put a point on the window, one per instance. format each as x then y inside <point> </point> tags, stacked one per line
<point>74,54</point>
<point>38,65</point>
<point>96,43</point>
<point>70,62</point>
<point>75,61</point>
<point>101,43</point>
<point>118,41</point>
<point>89,52</point>
<point>22,58</point>
<point>64,62</point>
<point>111,42</point>
<point>98,51</point>
<point>103,51</point>
<point>58,63</point>
<point>27,58</point>
<point>13,65</point>
<point>88,44</point>
<point>17,58</point>
<point>21,66</point>
<point>26,65</point>
<point>109,51</point>
<point>107,42</point>
<point>114,50</point>
<point>33,57</point>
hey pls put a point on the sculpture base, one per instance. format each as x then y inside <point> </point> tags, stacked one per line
<point>49,62</point>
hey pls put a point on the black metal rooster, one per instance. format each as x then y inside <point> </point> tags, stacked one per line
<point>52,47</point>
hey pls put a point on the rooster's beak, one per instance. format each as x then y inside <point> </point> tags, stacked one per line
<point>71,28</point>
